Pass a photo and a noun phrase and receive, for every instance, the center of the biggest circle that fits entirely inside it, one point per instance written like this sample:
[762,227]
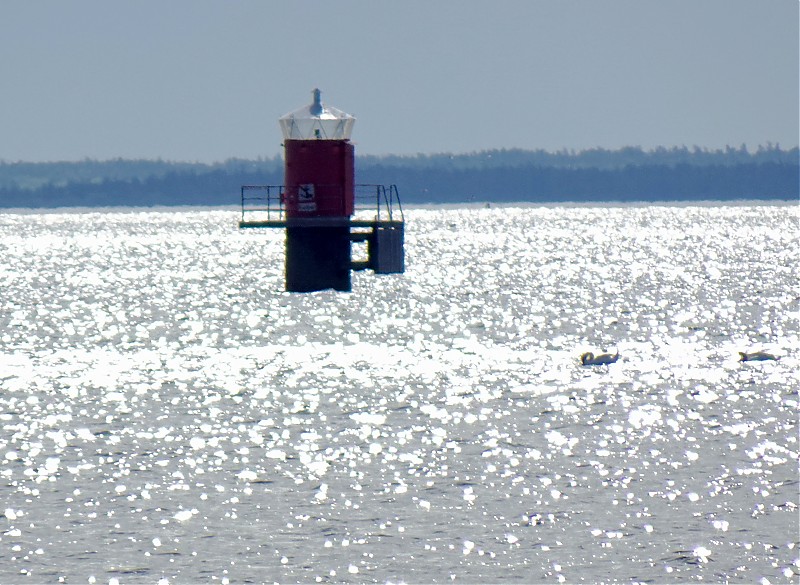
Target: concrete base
[318,250]
[318,258]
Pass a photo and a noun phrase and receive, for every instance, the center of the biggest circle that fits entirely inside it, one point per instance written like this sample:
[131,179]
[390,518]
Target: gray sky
[200,80]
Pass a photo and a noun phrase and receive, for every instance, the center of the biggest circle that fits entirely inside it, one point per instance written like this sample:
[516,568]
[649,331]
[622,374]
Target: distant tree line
[635,183]
[628,174]
[595,158]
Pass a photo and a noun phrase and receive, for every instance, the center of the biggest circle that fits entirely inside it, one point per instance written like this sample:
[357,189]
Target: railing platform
[377,217]
[319,222]
[264,206]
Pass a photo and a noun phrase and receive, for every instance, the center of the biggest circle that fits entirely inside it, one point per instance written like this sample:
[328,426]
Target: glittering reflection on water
[168,413]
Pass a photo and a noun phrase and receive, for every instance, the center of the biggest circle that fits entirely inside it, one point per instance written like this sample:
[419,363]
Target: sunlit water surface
[169,414]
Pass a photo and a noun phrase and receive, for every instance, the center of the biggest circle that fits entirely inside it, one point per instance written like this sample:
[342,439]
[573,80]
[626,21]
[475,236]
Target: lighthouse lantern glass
[317,121]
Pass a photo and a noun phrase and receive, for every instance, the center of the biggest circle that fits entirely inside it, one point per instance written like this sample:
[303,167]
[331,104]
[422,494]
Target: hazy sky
[196,80]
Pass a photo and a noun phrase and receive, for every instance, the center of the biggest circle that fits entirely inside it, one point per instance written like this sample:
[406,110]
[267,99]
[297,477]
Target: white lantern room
[317,121]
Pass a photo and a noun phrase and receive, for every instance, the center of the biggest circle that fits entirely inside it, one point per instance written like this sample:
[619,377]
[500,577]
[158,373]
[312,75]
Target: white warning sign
[305,198]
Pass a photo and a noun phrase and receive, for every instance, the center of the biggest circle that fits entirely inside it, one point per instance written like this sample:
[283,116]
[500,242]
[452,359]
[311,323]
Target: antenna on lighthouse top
[316,107]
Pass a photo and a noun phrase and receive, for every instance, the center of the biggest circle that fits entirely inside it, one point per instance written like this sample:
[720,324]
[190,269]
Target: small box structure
[321,207]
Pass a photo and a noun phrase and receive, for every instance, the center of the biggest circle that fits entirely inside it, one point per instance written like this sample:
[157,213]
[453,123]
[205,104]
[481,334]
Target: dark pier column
[318,258]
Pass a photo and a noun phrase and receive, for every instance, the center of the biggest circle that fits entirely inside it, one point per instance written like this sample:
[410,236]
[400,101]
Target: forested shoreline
[596,175]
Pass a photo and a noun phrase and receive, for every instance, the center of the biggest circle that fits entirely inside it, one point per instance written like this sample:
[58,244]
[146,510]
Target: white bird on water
[589,359]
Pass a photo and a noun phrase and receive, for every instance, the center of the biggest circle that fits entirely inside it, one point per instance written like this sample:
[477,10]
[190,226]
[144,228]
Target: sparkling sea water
[169,415]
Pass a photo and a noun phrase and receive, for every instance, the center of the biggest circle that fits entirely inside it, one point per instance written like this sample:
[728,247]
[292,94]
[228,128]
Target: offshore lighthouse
[321,207]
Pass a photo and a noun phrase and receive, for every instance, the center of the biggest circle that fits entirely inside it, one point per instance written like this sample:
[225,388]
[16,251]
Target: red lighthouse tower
[320,205]
[319,161]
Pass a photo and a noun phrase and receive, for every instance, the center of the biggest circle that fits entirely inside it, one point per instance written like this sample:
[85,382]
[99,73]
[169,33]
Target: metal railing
[382,200]
[371,203]
[263,202]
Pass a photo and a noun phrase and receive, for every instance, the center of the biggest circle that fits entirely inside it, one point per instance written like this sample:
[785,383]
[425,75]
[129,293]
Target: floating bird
[756,356]
[589,359]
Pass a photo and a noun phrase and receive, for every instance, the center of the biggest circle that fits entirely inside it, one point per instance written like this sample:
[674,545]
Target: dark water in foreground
[169,415]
